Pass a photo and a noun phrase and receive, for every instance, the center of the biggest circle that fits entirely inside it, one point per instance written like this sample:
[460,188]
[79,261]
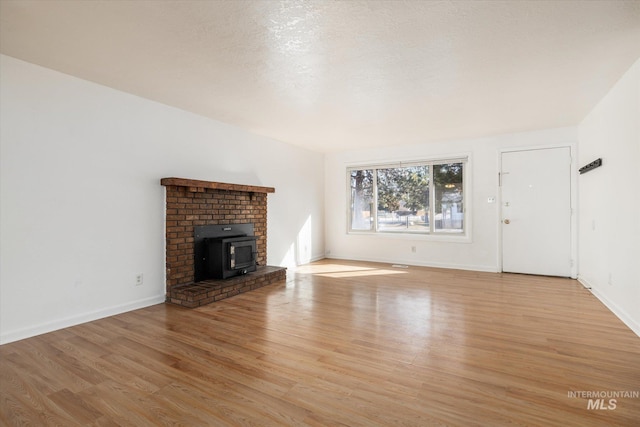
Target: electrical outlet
[139,279]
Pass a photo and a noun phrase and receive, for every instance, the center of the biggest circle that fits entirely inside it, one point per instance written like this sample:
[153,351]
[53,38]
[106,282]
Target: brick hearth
[191,203]
[205,292]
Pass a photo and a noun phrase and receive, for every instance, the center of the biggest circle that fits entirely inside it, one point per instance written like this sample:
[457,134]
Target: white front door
[536,211]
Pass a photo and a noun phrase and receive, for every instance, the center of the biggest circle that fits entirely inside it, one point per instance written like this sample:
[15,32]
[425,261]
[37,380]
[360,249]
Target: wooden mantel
[196,184]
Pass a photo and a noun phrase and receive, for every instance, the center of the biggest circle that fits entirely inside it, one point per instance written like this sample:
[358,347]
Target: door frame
[573,198]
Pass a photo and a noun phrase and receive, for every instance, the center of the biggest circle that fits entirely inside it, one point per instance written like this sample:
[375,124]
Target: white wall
[481,252]
[82,208]
[609,199]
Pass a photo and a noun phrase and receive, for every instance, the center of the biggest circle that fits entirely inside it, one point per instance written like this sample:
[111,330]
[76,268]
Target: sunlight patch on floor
[341,271]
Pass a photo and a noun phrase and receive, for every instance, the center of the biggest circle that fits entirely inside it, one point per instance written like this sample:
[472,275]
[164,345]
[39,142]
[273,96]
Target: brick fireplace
[191,203]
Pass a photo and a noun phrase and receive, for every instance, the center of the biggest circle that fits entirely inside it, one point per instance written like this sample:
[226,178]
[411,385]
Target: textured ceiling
[337,75]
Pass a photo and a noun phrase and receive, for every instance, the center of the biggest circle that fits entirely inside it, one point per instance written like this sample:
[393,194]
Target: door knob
[506,221]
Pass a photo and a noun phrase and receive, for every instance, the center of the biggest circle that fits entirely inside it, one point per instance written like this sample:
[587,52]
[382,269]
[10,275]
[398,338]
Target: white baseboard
[32,331]
[450,266]
[613,307]
[317,258]
[584,282]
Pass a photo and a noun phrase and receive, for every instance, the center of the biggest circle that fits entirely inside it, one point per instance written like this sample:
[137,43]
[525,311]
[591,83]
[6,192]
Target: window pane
[403,199]
[361,199]
[449,213]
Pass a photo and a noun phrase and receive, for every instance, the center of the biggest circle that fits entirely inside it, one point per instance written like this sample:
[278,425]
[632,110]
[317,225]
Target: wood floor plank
[73,405]
[22,403]
[120,404]
[100,363]
[341,343]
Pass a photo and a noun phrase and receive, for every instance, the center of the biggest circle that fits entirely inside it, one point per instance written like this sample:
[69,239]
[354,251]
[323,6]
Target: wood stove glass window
[241,254]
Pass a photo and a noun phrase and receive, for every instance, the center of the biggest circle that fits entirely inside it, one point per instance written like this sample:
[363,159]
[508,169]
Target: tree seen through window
[420,198]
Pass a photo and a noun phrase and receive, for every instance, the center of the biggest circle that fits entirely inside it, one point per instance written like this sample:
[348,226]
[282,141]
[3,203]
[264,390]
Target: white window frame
[432,234]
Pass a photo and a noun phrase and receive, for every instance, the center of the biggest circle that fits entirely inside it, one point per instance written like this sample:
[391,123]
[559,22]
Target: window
[421,197]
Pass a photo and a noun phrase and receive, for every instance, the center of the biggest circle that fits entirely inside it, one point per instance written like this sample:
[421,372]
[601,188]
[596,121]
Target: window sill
[433,237]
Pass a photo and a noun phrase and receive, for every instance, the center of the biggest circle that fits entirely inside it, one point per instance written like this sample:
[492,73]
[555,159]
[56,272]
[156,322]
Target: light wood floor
[341,343]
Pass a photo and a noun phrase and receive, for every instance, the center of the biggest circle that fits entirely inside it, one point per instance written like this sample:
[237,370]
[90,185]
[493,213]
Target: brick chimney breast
[191,203]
